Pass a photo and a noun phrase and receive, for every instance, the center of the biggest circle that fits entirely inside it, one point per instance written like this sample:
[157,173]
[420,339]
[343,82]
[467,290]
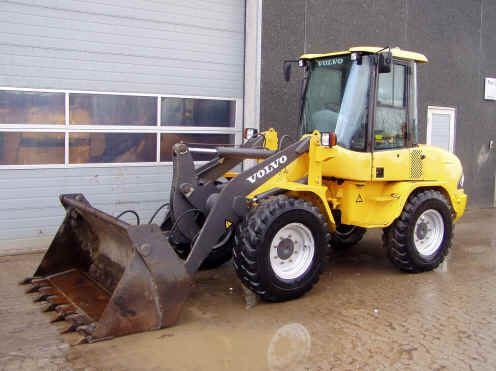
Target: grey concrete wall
[458,37]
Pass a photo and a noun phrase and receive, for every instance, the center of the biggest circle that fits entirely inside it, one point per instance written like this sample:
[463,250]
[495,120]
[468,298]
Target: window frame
[158,128]
[408,103]
[450,111]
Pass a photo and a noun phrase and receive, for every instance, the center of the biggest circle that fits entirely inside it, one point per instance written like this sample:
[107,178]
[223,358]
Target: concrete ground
[363,314]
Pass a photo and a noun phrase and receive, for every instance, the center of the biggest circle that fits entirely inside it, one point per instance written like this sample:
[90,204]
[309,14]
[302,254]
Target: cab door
[390,133]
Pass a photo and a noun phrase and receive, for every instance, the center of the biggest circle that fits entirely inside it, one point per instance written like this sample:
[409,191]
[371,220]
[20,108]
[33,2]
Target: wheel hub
[291,251]
[285,248]
[422,230]
[429,232]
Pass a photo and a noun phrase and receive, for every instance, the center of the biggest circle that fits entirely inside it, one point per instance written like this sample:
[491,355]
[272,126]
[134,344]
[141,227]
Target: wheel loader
[357,164]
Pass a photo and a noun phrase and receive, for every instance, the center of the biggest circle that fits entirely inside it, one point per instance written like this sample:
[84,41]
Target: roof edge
[397,53]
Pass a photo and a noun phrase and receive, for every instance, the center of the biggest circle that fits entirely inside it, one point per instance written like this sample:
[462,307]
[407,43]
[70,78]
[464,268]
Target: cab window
[390,129]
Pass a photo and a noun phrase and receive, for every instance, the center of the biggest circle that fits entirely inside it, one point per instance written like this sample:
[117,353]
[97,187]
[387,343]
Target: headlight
[461,181]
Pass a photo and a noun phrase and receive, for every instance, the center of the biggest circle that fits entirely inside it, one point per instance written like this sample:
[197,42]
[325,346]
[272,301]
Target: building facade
[458,38]
[93,94]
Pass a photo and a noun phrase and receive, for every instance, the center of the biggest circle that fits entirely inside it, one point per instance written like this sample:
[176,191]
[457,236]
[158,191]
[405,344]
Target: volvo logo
[267,169]
[330,62]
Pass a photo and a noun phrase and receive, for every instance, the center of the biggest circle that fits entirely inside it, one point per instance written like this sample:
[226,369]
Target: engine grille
[416,163]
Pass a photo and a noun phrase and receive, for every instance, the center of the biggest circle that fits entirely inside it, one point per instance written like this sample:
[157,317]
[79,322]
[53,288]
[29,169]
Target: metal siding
[167,47]
[31,209]
[190,48]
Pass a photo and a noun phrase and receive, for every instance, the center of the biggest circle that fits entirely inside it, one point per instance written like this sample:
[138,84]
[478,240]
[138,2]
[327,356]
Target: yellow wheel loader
[356,165]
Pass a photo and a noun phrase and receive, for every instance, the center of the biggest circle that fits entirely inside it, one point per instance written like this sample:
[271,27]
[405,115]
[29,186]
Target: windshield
[337,99]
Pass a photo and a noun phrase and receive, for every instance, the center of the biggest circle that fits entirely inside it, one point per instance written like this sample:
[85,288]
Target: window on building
[391,109]
[105,109]
[198,112]
[441,127]
[65,128]
[31,148]
[87,148]
[22,107]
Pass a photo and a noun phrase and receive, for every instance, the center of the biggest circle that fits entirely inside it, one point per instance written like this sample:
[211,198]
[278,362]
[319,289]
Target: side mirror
[286,69]
[385,62]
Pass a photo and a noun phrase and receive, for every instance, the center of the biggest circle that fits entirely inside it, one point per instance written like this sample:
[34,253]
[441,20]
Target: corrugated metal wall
[189,47]
[194,47]
[31,212]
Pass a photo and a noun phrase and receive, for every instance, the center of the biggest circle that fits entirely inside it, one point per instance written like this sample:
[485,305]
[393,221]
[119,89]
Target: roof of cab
[397,53]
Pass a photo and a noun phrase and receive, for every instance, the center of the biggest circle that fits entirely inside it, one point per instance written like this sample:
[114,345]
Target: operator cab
[367,96]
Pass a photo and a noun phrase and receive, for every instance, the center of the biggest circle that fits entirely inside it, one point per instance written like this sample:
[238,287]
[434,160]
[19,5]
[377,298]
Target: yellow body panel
[344,180]
[392,162]
[397,53]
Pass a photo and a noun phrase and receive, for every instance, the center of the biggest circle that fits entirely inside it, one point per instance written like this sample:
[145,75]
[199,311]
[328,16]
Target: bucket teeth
[58,317]
[42,297]
[65,309]
[45,293]
[26,280]
[62,311]
[35,288]
[86,329]
[70,328]
[76,321]
[52,302]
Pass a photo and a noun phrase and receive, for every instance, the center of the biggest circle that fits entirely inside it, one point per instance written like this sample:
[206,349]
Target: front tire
[280,248]
[217,257]
[420,238]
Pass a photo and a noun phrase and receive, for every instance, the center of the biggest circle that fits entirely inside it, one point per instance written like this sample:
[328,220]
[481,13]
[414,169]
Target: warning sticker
[359,199]
[227,223]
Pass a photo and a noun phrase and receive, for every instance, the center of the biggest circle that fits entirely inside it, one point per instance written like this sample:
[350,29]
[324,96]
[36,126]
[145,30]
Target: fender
[377,205]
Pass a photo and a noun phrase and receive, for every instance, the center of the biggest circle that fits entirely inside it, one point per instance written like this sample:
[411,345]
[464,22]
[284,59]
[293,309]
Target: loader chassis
[109,278]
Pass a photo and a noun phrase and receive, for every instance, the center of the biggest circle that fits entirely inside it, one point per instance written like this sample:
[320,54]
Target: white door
[441,127]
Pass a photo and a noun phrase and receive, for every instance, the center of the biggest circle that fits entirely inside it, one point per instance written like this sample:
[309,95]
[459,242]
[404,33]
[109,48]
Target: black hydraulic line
[176,222]
[157,211]
[130,212]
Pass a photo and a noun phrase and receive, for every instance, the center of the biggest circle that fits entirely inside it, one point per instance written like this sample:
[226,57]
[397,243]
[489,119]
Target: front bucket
[109,278]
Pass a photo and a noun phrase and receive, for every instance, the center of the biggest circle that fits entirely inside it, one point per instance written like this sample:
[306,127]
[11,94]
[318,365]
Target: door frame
[451,111]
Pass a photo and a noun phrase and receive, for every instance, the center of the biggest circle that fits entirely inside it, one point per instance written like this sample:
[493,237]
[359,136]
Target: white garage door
[93,94]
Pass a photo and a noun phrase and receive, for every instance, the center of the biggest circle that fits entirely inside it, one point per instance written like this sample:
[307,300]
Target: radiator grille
[415,163]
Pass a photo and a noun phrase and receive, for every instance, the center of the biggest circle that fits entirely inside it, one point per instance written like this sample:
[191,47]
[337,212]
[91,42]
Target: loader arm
[231,204]
[109,278]
[202,181]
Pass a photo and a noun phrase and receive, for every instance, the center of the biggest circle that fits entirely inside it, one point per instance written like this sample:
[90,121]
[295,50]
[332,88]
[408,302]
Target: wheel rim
[428,233]
[291,251]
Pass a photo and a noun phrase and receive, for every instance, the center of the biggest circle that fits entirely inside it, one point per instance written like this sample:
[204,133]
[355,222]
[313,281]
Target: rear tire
[346,236]
[420,238]
[280,248]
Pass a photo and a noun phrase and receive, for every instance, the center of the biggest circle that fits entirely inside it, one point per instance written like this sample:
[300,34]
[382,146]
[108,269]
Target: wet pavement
[363,314]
